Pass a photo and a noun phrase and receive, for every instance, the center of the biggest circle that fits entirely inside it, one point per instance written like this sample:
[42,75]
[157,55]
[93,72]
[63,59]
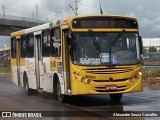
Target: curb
[4,73]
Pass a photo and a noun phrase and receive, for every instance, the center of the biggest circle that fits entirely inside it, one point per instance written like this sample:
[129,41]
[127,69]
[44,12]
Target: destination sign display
[104,22]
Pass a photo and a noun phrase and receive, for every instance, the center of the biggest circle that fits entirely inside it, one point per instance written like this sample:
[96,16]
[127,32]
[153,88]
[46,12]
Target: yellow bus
[79,55]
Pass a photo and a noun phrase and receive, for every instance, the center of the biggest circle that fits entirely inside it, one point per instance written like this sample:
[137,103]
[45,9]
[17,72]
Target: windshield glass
[106,48]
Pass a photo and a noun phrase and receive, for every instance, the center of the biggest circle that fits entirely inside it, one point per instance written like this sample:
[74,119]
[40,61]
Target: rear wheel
[115,98]
[26,85]
[61,97]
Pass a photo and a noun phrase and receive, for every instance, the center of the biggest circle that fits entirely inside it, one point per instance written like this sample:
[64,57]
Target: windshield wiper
[118,36]
[95,42]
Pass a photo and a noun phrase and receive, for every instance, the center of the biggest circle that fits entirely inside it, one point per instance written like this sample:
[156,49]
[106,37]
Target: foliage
[144,50]
[152,49]
[150,73]
[5,69]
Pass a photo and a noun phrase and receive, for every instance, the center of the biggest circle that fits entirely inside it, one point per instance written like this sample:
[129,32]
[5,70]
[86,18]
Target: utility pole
[37,13]
[76,7]
[72,8]
[75,10]
[3,10]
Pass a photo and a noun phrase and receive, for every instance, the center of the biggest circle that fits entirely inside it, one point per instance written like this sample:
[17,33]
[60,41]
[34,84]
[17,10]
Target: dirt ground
[153,83]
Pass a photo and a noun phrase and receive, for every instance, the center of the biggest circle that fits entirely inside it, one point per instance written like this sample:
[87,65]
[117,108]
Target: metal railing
[4,59]
[151,55]
[151,67]
[9,17]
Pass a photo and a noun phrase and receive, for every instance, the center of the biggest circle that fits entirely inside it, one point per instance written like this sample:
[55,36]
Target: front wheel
[61,97]
[115,98]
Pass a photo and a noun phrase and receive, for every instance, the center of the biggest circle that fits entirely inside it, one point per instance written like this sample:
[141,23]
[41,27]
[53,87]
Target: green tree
[144,50]
[152,49]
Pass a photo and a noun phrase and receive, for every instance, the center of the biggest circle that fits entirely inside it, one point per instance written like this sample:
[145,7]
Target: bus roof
[63,21]
[29,30]
[37,28]
[103,15]
[69,19]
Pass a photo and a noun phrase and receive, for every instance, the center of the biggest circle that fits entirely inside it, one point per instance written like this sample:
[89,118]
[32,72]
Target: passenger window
[30,45]
[24,46]
[13,47]
[55,42]
[46,43]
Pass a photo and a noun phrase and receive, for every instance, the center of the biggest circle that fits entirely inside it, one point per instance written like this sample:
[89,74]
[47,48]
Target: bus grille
[108,70]
[117,80]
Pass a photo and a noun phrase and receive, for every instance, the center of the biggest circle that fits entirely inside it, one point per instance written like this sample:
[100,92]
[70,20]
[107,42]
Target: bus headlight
[88,81]
[76,76]
[140,73]
[132,79]
[136,77]
[82,79]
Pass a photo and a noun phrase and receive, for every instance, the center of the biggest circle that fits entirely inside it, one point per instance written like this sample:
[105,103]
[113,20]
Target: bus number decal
[53,63]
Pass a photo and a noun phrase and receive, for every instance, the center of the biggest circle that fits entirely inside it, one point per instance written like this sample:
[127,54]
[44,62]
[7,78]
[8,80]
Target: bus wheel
[61,97]
[26,85]
[115,98]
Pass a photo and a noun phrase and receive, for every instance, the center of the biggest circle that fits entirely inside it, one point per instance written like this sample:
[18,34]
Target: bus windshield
[106,48]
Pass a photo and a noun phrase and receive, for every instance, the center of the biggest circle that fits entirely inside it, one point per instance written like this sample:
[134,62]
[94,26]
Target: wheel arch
[57,77]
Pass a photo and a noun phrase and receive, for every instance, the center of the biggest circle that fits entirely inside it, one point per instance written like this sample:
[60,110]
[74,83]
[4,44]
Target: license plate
[111,87]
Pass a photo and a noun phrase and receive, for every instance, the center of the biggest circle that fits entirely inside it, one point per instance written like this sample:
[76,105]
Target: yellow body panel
[13,63]
[22,61]
[18,33]
[100,81]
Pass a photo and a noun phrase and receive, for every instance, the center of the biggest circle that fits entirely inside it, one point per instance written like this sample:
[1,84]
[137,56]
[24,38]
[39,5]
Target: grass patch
[5,69]
[150,73]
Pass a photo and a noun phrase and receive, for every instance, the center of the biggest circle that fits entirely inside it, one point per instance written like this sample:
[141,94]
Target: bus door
[38,58]
[66,66]
[18,59]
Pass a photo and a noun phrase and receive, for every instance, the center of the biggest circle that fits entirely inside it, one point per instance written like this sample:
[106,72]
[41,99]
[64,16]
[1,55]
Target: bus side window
[23,46]
[13,47]
[55,42]
[46,43]
[30,45]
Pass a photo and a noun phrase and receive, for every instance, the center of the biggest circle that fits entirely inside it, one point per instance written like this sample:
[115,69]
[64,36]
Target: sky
[146,11]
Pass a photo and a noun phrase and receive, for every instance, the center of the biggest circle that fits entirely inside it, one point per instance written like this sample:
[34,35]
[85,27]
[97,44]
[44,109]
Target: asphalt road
[13,98]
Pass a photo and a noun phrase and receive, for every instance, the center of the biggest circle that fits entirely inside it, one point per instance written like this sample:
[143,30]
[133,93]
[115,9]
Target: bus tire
[26,85]
[115,98]
[61,97]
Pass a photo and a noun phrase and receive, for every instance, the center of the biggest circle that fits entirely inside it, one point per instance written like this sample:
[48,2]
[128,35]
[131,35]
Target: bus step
[40,90]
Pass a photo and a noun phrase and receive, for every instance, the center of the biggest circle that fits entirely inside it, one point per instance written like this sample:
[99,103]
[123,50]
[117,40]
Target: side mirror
[141,44]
